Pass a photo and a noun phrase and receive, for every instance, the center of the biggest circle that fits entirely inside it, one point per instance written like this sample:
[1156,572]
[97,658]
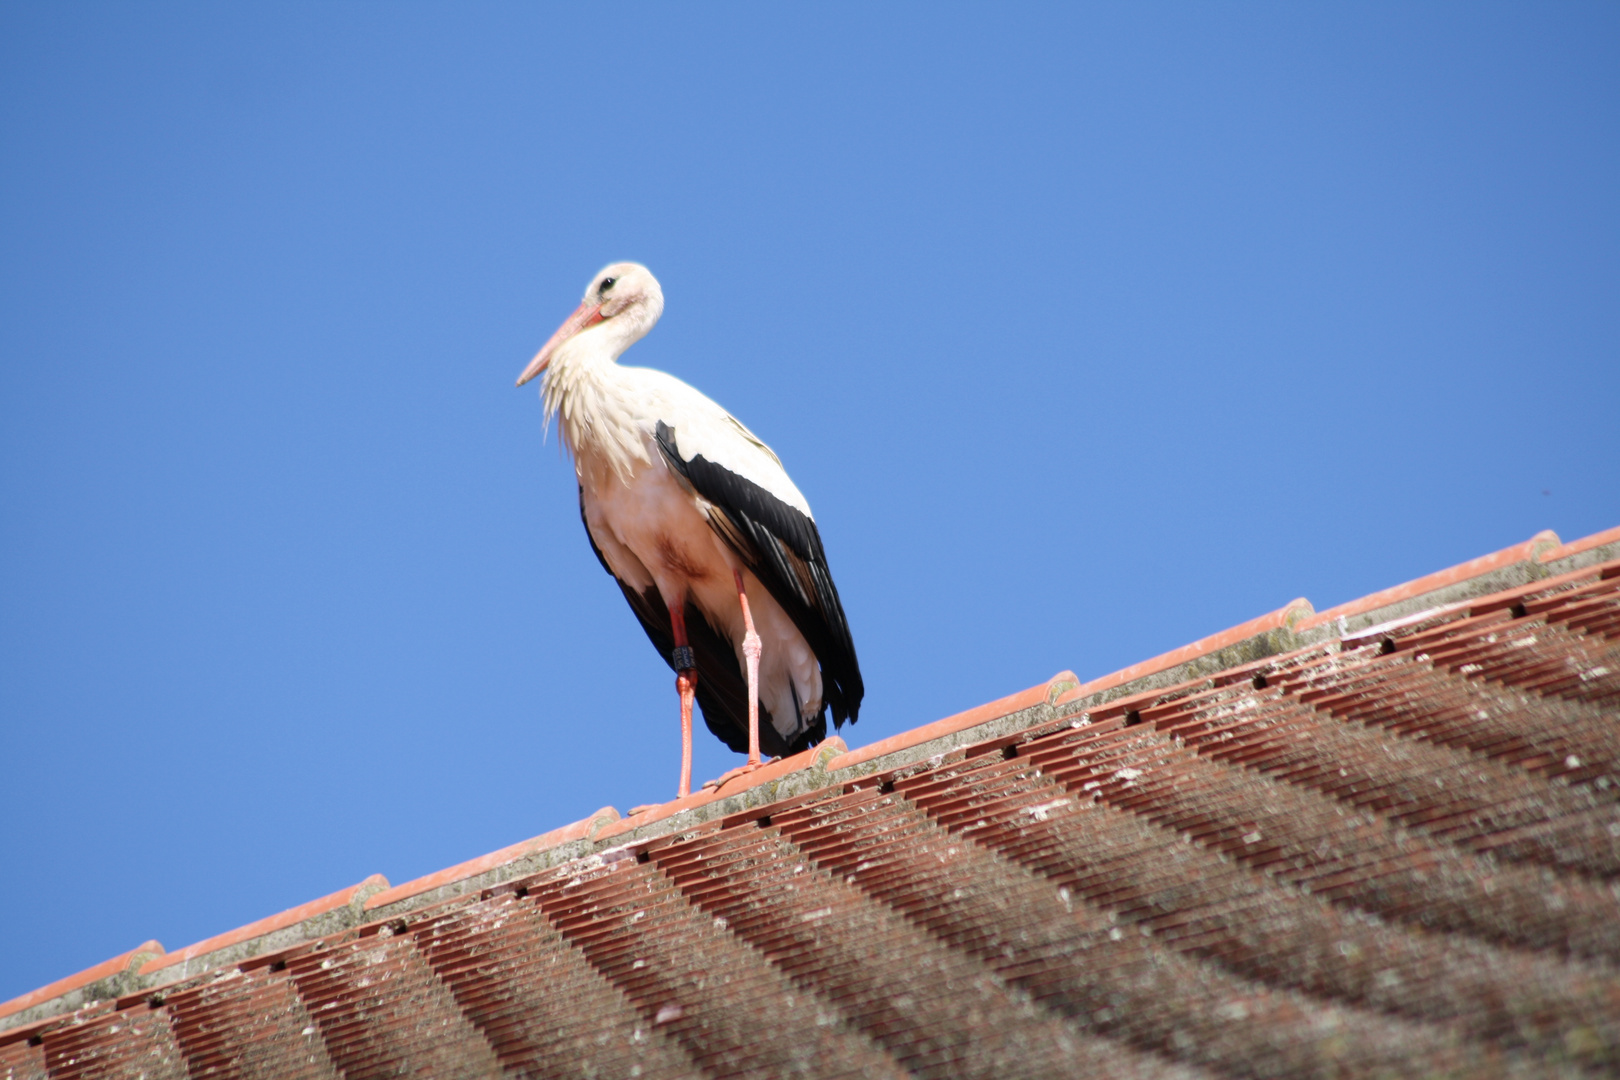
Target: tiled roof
[1382,839]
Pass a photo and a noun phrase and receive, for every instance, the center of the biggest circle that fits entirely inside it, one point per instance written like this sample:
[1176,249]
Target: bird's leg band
[682,659]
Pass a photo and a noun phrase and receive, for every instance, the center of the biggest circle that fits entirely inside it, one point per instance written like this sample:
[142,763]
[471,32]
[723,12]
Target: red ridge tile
[1295,614]
[269,925]
[1060,688]
[828,749]
[1585,543]
[129,961]
[579,830]
[1531,550]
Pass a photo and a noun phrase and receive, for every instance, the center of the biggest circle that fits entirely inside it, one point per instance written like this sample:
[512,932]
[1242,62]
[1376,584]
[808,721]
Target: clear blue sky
[1087,332]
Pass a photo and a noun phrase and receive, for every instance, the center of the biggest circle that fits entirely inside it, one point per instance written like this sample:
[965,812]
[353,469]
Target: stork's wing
[782,546]
[722,691]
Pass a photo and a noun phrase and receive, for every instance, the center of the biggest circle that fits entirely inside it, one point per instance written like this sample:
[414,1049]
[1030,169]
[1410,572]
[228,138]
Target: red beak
[587,314]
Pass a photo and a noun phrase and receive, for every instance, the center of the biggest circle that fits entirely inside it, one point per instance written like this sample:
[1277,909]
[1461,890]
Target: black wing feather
[722,689]
[783,549]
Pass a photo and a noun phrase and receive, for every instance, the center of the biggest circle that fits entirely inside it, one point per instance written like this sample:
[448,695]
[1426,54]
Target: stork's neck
[584,352]
[598,346]
[585,389]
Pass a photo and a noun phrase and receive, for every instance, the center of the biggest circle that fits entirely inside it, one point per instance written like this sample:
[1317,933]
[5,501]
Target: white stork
[712,544]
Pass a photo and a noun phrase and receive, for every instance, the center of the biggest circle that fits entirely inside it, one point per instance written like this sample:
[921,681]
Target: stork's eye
[607,283]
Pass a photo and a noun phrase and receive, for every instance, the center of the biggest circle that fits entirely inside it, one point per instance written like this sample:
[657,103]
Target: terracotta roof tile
[252,1023]
[539,1001]
[696,982]
[382,1012]
[1103,967]
[1088,808]
[938,1011]
[23,1059]
[1382,839]
[135,1042]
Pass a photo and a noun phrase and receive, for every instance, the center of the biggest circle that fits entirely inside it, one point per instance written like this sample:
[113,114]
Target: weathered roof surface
[1379,840]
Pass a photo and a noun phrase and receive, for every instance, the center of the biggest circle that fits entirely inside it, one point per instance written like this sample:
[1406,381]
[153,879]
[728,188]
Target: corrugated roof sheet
[1379,840]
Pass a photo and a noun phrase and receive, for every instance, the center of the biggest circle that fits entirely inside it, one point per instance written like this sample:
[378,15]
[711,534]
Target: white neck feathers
[587,389]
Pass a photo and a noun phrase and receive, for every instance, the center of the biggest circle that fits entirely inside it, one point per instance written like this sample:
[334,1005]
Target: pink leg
[686,686]
[751,650]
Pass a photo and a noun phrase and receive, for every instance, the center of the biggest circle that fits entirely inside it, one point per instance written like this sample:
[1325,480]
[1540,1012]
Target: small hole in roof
[521,891]
[279,965]
[1133,718]
[1386,646]
[886,788]
[764,822]
[155,1001]
[1260,681]
[1009,752]
[1518,611]
[35,1040]
[643,857]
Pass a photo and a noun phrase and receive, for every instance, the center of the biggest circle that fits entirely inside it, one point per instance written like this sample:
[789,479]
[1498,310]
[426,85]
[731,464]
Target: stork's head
[621,303]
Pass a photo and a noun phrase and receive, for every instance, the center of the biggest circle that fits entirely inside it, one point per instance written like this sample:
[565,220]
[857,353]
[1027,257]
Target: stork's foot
[741,770]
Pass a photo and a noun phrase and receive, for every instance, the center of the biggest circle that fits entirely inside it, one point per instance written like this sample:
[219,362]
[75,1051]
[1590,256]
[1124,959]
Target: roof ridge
[1526,553]
[1543,561]
[315,918]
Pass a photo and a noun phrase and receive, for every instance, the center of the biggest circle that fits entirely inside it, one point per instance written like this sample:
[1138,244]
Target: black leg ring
[682,658]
